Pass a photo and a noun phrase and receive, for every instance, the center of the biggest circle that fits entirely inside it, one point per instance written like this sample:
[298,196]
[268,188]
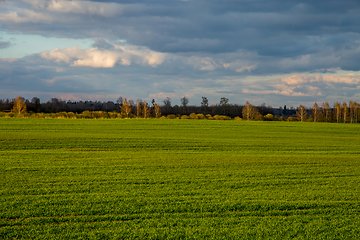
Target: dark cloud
[103,44]
[209,46]
[271,31]
[5,44]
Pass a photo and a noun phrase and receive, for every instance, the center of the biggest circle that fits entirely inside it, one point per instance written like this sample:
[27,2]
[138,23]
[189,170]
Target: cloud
[274,51]
[246,68]
[95,58]
[307,88]
[78,7]
[8,59]
[281,37]
[5,44]
[25,16]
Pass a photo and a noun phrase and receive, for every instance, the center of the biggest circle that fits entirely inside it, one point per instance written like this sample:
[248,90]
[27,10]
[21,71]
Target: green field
[178,179]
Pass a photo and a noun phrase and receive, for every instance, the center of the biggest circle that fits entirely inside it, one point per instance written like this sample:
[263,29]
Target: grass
[178,179]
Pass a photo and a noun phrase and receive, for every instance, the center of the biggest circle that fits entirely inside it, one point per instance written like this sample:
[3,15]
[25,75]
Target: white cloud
[95,58]
[302,79]
[349,79]
[141,55]
[246,68]
[319,87]
[202,63]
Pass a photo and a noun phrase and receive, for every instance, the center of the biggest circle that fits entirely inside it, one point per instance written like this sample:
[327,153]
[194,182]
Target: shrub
[200,116]
[208,116]
[171,116]
[40,115]
[238,119]
[85,114]
[217,117]
[292,119]
[269,117]
[10,115]
[184,117]
[193,116]
[258,117]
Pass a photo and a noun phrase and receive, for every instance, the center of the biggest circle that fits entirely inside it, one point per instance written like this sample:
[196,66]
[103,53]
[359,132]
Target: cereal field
[178,179]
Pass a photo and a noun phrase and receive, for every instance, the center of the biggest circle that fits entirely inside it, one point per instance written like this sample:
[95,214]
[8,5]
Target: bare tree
[301,113]
[249,111]
[345,111]
[167,102]
[356,107]
[120,101]
[126,107]
[352,110]
[316,112]
[184,102]
[224,103]
[326,111]
[337,108]
[204,103]
[19,105]
[138,108]
[146,109]
[157,110]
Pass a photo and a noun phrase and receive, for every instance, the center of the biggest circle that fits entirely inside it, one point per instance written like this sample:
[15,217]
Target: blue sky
[274,52]
[22,45]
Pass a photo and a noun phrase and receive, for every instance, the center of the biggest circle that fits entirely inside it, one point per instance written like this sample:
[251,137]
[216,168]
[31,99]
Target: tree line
[166,107]
[340,112]
[124,108]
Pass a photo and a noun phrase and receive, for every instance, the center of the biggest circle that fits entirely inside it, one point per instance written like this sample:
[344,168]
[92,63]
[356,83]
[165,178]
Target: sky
[280,52]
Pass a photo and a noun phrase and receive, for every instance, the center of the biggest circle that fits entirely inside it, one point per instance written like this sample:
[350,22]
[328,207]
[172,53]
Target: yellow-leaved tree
[126,107]
[19,106]
[146,110]
[157,110]
[249,111]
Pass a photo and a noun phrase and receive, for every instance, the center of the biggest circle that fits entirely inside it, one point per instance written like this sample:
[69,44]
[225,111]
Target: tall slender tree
[184,102]
[138,108]
[338,110]
[353,108]
[326,110]
[356,109]
[224,103]
[345,111]
[146,109]
[301,113]
[204,104]
[126,107]
[157,110]
[316,112]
